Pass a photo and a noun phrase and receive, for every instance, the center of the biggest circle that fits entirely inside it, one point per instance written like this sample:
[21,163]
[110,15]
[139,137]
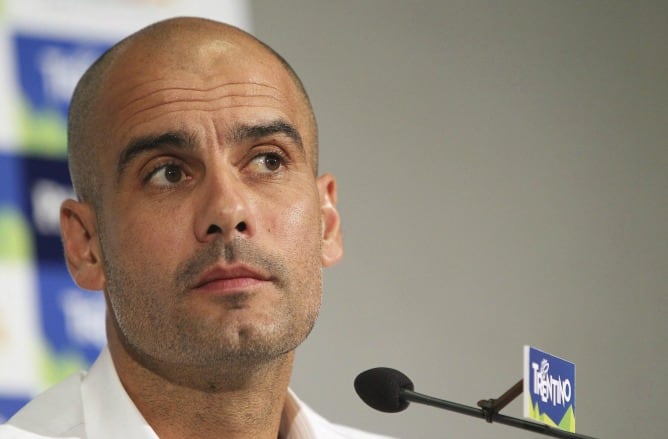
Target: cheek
[143,236]
[295,223]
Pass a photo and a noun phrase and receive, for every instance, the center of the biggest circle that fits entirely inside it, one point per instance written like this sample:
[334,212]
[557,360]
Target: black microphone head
[380,388]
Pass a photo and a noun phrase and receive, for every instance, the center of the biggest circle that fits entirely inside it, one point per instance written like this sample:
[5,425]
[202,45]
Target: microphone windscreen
[380,388]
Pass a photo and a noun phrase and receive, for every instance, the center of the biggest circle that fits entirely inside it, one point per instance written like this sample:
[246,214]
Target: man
[193,152]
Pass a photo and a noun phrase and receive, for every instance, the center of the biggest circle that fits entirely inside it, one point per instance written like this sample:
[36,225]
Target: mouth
[231,278]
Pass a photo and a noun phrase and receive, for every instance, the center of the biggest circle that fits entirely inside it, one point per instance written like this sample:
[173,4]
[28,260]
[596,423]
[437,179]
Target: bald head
[183,44]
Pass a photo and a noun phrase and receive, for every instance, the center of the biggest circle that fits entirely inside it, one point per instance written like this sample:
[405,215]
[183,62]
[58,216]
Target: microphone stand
[489,411]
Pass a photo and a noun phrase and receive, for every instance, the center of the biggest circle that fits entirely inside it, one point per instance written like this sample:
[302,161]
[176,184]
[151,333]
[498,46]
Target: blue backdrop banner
[49,327]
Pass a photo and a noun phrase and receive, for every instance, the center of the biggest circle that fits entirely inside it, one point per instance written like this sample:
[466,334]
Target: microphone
[381,388]
[390,391]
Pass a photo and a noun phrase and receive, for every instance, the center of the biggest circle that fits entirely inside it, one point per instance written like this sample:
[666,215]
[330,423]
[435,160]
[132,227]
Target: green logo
[16,243]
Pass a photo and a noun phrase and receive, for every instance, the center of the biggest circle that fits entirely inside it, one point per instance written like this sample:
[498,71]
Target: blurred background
[503,180]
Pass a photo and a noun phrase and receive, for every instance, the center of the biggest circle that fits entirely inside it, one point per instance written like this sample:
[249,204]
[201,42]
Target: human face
[211,222]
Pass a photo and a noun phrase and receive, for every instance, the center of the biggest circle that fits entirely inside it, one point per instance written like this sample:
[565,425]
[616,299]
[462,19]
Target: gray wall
[503,180]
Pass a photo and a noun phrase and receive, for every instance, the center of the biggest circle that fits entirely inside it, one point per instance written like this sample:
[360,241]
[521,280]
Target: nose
[223,210]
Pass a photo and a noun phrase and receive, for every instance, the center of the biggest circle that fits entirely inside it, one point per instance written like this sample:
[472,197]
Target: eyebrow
[148,143]
[242,132]
[185,141]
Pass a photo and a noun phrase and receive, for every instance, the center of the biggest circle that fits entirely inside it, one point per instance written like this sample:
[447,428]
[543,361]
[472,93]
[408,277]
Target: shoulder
[353,433]
[326,429]
[11,432]
[57,412]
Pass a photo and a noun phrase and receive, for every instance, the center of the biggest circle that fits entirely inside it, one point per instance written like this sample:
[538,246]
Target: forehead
[221,80]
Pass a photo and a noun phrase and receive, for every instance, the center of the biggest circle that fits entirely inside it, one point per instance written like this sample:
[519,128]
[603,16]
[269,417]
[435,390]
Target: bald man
[200,214]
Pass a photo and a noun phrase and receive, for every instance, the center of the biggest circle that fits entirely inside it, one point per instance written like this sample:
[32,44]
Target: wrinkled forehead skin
[201,61]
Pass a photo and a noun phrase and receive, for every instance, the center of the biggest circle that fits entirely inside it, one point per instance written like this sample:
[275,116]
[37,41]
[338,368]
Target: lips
[230,278]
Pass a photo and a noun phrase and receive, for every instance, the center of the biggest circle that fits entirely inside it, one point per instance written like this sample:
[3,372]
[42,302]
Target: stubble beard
[157,327]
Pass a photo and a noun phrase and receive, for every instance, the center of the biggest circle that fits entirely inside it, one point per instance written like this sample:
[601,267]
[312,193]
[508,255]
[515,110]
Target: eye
[267,162]
[168,174]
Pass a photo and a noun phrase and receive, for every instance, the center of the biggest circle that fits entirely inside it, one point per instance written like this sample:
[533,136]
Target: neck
[233,401]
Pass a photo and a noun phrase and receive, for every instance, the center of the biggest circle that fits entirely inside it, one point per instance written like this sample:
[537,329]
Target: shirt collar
[295,423]
[109,412]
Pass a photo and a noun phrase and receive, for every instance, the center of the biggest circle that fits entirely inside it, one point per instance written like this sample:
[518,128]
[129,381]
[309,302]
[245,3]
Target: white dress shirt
[94,405]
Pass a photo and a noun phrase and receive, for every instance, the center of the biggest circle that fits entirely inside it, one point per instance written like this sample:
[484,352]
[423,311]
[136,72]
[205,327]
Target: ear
[332,238]
[81,244]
